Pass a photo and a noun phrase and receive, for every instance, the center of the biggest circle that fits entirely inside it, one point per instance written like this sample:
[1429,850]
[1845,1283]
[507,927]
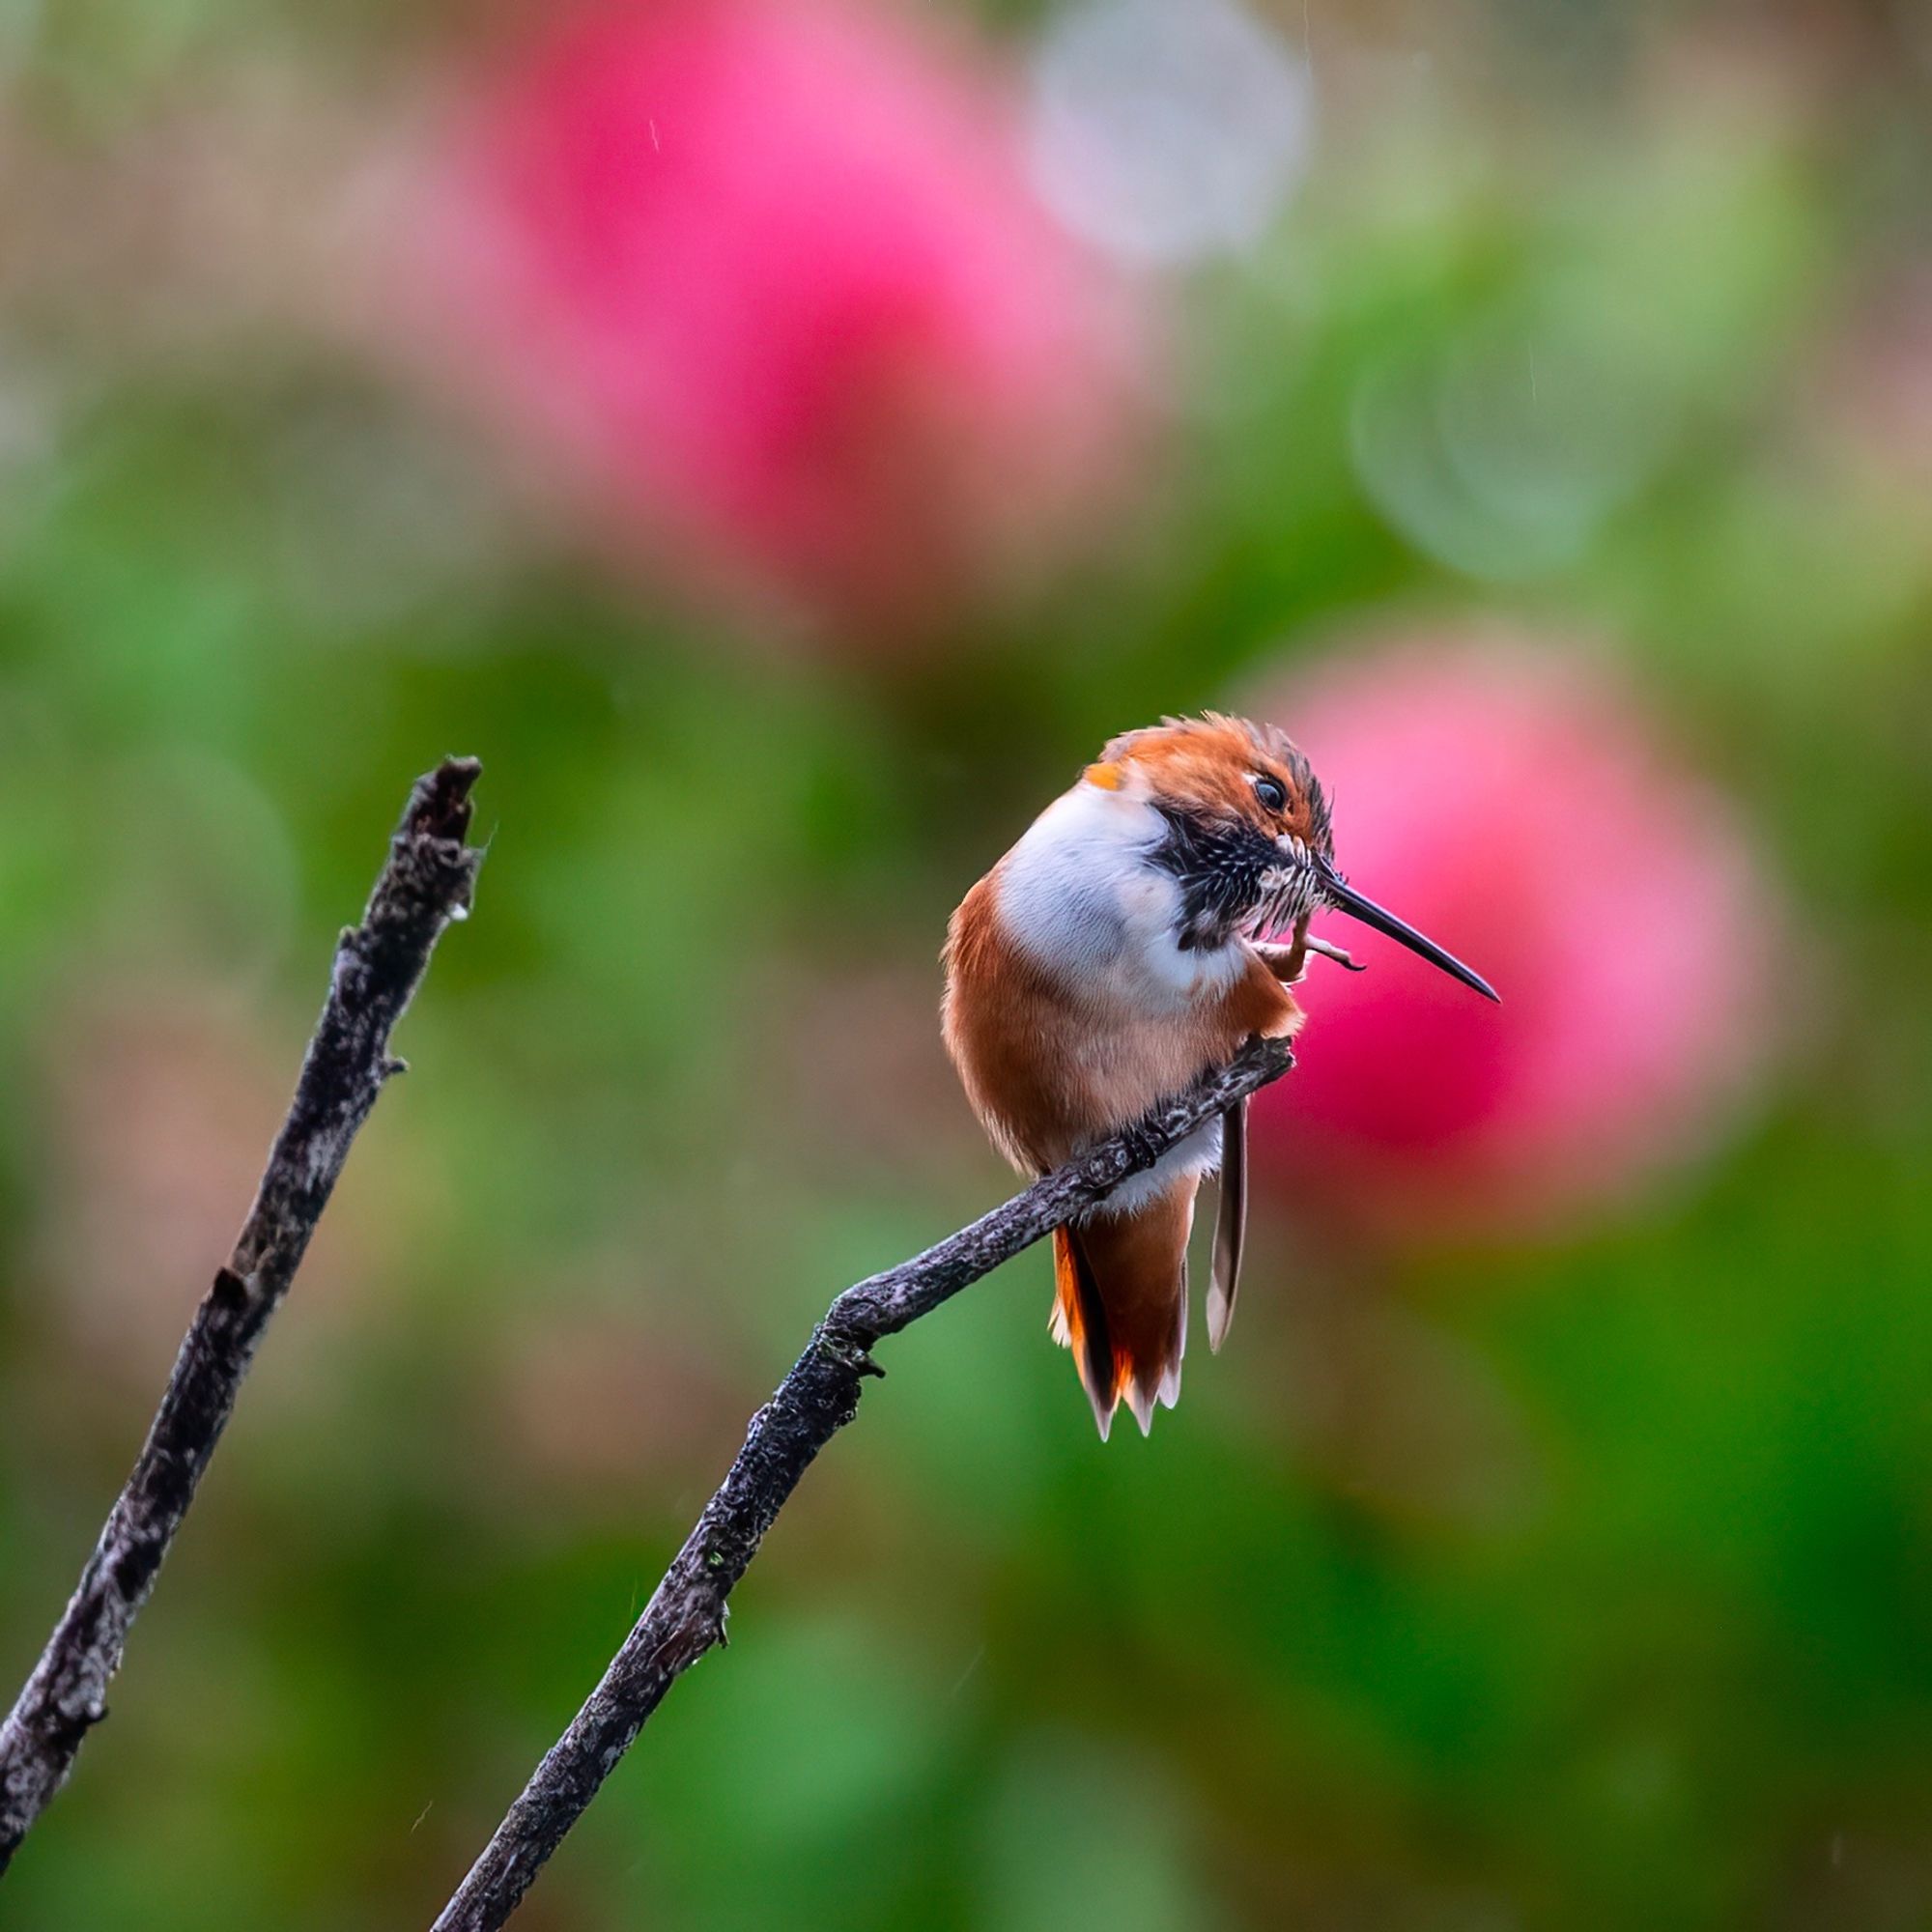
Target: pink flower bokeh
[1513,801]
[765,279]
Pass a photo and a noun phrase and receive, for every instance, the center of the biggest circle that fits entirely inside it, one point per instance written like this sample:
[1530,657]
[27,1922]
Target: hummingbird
[1131,940]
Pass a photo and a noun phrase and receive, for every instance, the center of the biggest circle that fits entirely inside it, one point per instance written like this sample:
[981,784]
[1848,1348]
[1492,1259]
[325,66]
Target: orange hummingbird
[1117,952]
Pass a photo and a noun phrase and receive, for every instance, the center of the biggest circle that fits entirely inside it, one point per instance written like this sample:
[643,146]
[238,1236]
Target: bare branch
[426,882]
[686,1613]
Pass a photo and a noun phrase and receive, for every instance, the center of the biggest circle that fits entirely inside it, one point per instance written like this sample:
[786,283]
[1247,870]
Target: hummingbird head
[1248,835]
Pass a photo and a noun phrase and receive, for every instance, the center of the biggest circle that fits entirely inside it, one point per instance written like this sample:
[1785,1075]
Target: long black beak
[1344,897]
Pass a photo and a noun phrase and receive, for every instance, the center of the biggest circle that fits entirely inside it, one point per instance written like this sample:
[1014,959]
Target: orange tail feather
[1122,1303]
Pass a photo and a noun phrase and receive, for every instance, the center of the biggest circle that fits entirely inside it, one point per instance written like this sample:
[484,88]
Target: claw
[1330,950]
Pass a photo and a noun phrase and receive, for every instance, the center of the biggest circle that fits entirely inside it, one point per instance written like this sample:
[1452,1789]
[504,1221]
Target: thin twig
[426,882]
[686,1613]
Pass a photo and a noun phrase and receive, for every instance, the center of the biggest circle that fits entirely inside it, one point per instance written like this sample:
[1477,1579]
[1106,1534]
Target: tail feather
[1170,1381]
[1140,1381]
[1122,1303]
[1080,1323]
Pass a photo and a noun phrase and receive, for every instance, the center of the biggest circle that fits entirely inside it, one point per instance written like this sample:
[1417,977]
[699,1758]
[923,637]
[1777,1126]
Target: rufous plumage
[1131,940]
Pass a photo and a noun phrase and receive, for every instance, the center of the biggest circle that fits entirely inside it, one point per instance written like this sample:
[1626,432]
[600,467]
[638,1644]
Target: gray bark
[426,882]
[685,1614]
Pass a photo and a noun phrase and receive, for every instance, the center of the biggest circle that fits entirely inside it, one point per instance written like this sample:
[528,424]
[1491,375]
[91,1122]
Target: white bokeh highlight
[1168,131]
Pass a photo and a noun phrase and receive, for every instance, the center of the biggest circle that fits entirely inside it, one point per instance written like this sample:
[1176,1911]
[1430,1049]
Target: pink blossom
[1512,801]
[767,279]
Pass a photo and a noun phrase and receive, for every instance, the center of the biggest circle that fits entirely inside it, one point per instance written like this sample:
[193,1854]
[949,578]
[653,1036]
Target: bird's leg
[1290,963]
[1287,963]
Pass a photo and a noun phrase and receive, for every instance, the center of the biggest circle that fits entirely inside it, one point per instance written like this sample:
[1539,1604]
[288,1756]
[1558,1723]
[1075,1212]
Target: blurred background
[783,441]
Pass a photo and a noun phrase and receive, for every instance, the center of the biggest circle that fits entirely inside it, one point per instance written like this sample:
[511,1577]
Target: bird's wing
[1231,1222]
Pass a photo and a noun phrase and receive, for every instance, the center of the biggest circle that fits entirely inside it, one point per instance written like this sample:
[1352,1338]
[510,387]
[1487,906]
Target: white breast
[1081,895]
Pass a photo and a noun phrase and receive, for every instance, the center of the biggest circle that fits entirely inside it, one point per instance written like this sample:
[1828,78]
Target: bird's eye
[1271,793]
